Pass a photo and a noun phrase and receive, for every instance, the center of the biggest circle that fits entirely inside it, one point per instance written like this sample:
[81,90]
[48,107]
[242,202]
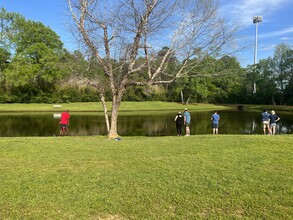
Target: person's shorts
[62,126]
[265,123]
[273,125]
[214,125]
[187,124]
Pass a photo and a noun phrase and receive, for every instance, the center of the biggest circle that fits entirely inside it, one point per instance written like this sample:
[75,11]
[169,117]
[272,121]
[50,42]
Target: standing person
[179,122]
[64,122]
[273,121]
[265,117]
[187,119]
[215,122]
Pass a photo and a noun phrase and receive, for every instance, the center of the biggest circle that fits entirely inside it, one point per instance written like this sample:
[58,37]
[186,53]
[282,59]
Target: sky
[275,28]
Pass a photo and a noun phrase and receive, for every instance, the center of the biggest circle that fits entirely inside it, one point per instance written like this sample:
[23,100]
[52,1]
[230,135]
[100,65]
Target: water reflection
[152,124]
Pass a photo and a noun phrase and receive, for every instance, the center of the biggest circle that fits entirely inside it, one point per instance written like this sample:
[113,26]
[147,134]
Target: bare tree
[124,37]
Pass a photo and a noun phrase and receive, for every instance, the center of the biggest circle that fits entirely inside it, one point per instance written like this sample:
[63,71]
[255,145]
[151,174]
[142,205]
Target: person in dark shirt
[265,121]
[273,121]
[179,119]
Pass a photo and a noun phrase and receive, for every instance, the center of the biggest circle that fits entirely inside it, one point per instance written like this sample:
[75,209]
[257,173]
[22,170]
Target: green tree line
[35,67]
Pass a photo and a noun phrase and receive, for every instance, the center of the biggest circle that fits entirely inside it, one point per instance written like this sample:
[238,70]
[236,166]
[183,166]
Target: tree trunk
[103,101]
[116,101]
[182,99]
[113,133]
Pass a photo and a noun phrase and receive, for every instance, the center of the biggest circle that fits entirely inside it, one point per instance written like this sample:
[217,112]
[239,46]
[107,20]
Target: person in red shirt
[64,122]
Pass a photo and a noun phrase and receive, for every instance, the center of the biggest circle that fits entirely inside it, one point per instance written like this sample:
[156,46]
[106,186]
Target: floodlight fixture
[257,19]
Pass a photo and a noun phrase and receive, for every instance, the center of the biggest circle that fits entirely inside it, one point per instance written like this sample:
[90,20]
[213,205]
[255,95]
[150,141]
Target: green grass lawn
[197,177]
[96,106]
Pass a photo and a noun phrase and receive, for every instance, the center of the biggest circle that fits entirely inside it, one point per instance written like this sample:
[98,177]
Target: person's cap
[273,112]
[185,109]
[179,113]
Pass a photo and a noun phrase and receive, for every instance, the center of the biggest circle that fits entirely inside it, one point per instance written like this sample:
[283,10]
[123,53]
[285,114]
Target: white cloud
[286,38]
[268,47]
[244,10]
[277,33]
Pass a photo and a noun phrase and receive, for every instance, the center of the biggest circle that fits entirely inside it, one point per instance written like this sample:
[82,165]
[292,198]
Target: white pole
[255,55]
[256,20]
[255,48]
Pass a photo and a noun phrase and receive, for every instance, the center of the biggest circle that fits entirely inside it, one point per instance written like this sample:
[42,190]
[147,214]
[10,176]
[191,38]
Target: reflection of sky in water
[161,124]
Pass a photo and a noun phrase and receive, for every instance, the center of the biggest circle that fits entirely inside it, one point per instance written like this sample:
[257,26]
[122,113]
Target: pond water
[148,124]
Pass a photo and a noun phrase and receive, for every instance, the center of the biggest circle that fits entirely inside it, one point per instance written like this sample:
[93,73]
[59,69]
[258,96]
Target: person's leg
[65,130]
[61,130]
[187,130]
[177,129]
[264,128]
[273,130]
[215,128]
[269,129]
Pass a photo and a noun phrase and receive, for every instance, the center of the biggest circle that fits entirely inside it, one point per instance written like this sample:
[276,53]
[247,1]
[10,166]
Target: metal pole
[256,20]
[255,48]
[255,55]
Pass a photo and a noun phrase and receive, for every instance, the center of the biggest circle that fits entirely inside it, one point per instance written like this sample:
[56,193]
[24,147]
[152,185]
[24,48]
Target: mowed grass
[96,106]
[196,177]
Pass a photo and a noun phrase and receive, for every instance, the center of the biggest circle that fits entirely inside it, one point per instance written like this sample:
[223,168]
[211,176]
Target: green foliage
[23,38]
[272,77]
[211,80]
[6,30]
[4,59]
[69,93]
[35,66]
[147,93]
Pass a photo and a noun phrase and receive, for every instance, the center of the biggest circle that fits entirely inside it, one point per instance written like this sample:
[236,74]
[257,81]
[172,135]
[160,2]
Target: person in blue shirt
[215,122]
[265,117]
[187,119]
[273,121]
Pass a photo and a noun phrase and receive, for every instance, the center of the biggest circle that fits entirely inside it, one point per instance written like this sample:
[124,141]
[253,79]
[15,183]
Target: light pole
[256,20]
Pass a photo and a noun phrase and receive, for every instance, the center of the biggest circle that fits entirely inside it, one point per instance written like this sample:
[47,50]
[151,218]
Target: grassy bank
[197,177]
[95,106]
[260,108]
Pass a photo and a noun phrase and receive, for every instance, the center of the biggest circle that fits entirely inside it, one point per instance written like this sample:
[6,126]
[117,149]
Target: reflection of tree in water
[154,127]
[146,125]
[131,125]
[26,125]
[87,125]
